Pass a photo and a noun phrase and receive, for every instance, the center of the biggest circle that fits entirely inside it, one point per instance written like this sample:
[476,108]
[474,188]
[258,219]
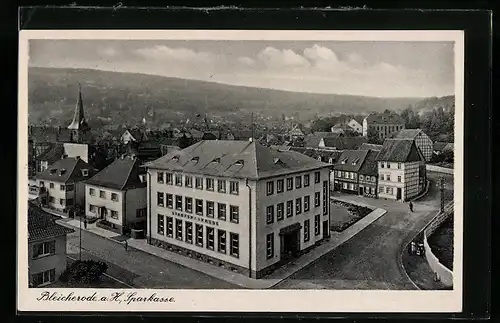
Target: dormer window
[239,162]
[344,161]
[354,162]
[195,159]
[276,160]
[216,160]
[85,172]
[175,158]
[62,172]
[53,171]
[330,160]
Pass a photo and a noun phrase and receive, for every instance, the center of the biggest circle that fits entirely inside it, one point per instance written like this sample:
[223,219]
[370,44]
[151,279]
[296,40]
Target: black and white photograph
[172,170]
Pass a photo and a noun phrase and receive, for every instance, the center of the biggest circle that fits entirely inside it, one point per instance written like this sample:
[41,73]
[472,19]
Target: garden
[344,214]
[85,274]
[441,243]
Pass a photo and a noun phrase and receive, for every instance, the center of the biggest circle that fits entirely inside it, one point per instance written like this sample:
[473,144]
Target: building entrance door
[326,229]
[290,241]
[102,213]
[361,190]
[398,193]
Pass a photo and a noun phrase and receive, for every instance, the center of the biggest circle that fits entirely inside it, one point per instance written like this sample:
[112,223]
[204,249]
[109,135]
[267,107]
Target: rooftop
[351,160]
[398,150]
[408,134]
[366,146]
[384,118]
[122,174]
[370,166]
[42,225]
[69,169]
[235,159]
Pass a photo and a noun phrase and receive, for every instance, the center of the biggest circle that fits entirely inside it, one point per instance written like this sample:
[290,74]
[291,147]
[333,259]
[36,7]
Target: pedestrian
[411,207]
[412,247]
[125,245]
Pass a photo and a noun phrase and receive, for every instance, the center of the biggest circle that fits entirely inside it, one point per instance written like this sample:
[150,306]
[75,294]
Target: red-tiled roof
[42,225]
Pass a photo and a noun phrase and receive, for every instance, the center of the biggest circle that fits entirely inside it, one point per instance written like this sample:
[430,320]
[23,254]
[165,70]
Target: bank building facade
[238,205]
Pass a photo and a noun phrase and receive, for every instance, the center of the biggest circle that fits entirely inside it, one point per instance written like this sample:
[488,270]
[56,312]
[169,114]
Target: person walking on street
[411,207]
[125,245]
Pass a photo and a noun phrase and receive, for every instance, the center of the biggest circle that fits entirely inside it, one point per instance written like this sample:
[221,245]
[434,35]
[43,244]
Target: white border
[248,300]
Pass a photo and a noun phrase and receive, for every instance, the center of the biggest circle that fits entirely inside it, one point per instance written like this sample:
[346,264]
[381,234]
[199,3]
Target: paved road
[137,268]
[370,259]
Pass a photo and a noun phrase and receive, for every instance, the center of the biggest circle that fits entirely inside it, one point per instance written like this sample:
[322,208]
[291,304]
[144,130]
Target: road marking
[107,275]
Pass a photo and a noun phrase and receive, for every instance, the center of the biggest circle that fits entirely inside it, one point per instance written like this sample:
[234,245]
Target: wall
[57,193]
[56,261]
[107,203]
[437,169]
[135,199]
[411,180]
[74,150]
[394,172]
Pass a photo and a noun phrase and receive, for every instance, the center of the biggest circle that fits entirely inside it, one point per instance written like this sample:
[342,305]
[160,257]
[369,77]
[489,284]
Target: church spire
[79,122]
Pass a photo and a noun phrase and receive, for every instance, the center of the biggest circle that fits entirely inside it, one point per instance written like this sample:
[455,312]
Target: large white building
[401,170]
[238,204]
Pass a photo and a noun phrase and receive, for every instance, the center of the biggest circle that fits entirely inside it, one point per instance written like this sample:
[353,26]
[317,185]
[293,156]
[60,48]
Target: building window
[325,197]
[189,232]
[114,214]
[170,227]
[316,199]
[92,208]
[168,178]
[178,229]
[399,165]
[210,209]
[280,212]
[199,207]
[234,244]
[306,180]
[298,182]
[306,230]
[43,278]
[61,201]
[269,245]
[178,179]
[382,165]
[114,197]
[269,214]
[91,191]
[178,203]
[209,182]
[289,209]
[298,206]
[317,177]
[372,190]
[347,174]
[399,179]
[221,211]
[188,207]
[62,187]
[381,189]
[388,178]
[307,201]
[373,179]
[188,181]
[199,183]
[51,185]
[388,165]
[170,200]
[289,184]
[221,186]
[140,213]
[159,177]
[44,249]
[161,224]
[387,190]
[199,235]
[382,177]
[361,177]
[102,194]
[221,234]
[210,238]
[270,188]
[317,229]
[280,185]
[159,199]
[234,213]
[234,187]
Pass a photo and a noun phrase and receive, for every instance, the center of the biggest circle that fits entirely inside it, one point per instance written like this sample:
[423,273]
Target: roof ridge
[73,169]
[128,176]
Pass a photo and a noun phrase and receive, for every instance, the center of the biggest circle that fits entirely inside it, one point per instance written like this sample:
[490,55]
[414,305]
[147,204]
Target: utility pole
[441,188]
[80,254]
[252,127]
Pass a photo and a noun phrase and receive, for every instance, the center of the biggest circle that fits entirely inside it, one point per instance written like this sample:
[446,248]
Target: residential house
[347,171]
[316,139]
[401,170]
[342,143]
[133,135]
[367,146]
[383,124]
[423,142]
[145,151]
[355,126]
[440,147]
[117,196]
[238,205]
[46,247]
[62,184]
[49,156]
[368,175]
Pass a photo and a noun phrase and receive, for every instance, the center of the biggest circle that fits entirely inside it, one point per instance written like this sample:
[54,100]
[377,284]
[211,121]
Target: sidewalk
[269,281]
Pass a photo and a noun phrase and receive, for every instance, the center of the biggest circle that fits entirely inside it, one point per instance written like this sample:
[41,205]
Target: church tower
[79,128]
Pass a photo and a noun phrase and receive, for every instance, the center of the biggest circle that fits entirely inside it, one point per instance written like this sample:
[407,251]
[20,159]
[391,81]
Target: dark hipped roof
[351,160]
[42,225]
[236,159]
[384,118]
[52,154]
[66,170]
[398,150]
[441,146]
[366,146]
[342,143]
[122,174]
[370,166]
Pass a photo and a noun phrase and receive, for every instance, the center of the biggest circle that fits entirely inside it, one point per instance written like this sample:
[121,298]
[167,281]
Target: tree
[373,137]
[83,273]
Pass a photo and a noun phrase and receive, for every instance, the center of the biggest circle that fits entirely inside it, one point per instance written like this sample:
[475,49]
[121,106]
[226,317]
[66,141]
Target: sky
[380,69]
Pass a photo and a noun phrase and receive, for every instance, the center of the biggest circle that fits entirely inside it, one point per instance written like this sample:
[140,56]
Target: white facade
[355,126]
[398,181]
[247,245]
[61,196]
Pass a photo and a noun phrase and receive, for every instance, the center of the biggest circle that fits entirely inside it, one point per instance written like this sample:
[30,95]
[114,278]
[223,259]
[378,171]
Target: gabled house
[347,171]
[46,247]
[355,126]
[48,157]
[383,124]
[62,184]
[439,147]
[117,196]
[368,175]
[401,170]
[423,142]
[133,135]
[342,143]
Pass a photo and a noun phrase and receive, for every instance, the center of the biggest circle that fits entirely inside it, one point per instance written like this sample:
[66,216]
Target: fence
[442,273]
[438,169]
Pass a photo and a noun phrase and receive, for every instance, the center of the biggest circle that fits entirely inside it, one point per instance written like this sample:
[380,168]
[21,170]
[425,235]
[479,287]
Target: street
[370,260]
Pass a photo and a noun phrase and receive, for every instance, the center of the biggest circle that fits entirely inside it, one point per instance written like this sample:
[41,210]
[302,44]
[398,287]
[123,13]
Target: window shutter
[53,247]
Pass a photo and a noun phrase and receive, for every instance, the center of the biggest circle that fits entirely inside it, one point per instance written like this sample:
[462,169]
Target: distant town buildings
[46,247]
[237,204]
[382,124]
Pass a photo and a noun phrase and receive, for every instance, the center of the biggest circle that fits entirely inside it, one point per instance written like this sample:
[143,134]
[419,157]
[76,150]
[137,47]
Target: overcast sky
[383,69]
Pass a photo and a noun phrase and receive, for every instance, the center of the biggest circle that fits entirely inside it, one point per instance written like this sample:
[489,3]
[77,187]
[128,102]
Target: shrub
[83,272]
